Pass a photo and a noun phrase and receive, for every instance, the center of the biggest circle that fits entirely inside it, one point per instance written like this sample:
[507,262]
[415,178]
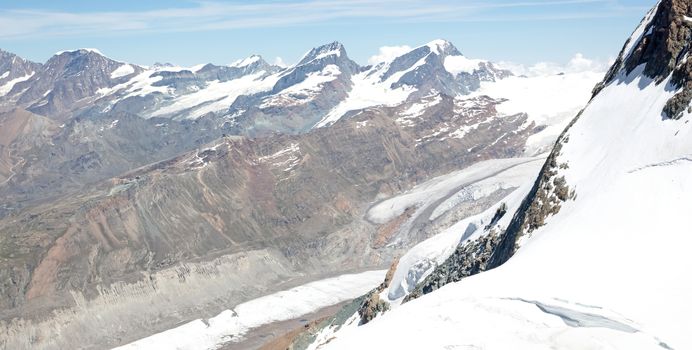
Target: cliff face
[661,44]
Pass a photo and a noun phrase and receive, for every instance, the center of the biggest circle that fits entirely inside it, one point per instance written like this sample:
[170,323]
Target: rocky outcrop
[372,305]
[665,41]
[663,49]
[468,259]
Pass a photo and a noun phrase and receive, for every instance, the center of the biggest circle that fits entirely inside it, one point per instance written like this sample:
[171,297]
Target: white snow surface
[459,64]
[368,90]
[7,87]
[215,96]
[436,46]
[230,325]
[122,71]
[551,100]
[304,91]
[5,75]
[428,192]
[218,95]
[609,271]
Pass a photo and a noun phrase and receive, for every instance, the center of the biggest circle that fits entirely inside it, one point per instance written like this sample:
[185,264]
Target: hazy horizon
[193,32]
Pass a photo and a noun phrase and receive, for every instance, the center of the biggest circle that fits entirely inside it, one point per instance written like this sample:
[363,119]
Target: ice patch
[122,71]
[10,84]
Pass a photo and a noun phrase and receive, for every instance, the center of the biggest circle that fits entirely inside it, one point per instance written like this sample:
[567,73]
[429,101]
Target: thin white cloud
[577,64]
[388,53]
[278,61]
[210,16]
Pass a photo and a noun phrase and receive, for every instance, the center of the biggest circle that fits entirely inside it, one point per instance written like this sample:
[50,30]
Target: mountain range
[138,198]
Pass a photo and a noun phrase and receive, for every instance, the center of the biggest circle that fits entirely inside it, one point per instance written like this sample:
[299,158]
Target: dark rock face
[668,36]
[467,260]
[372,306]
[65,82]
[664,50]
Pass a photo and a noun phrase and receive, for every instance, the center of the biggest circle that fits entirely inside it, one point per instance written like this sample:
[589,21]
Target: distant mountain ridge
[84,82]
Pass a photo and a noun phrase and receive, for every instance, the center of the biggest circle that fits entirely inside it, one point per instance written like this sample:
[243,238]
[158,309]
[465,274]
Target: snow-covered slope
[230,325]
[549,100]
[603,236]
[436,67]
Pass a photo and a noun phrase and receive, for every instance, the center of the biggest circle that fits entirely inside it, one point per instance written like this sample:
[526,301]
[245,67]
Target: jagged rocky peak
[332,50]
[77,62]
[440,66]
[660,45]
[13,67]
[68,79]
[330,59]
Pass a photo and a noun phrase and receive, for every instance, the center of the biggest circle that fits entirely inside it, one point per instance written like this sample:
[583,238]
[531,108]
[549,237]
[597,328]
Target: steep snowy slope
[596,255]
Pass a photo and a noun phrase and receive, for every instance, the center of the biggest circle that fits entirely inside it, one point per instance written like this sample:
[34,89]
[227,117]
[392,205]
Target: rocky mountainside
[67,82]
[14,70]
[142,115]
[137,198]
[205,212]
[592,254]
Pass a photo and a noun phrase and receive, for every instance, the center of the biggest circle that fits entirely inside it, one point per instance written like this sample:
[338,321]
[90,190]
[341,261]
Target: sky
[524,32]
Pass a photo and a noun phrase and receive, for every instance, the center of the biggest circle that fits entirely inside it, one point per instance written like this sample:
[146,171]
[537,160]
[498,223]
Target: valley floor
[236,325]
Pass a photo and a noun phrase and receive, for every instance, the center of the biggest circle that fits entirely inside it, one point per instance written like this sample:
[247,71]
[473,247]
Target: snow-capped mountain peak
[246,61]
[332,49]
[443,48]
[79,51]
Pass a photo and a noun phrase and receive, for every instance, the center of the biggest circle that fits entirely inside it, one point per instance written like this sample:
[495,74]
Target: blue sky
[192,32]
